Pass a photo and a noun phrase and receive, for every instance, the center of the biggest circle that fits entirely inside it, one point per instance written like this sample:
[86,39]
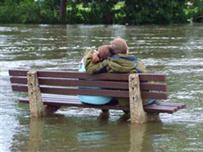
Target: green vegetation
[100,11]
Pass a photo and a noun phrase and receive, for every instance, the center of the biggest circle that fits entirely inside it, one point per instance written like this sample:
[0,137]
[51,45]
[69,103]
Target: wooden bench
[57,88]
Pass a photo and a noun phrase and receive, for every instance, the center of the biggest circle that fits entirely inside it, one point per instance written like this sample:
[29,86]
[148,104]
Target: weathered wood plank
[152,77]
[17,72]
[76,91]
[178,105]
[162,108]
[153,86]
[64,91]
[76,103]
[154,95]
[101,76]
[68,74]
[74,82]
[102,84]
[19,88]
[103,92]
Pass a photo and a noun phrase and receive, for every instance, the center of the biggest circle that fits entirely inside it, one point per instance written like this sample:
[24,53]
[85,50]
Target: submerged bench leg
[153,117]
[34,94]
[36,134]
[104,114]
[137,114]
[137,137]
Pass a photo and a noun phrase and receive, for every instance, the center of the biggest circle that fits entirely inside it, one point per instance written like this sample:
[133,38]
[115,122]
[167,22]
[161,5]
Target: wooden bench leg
[137,114]
[153,117]
[126,112]
[35,99]
[104,114]
[49,109]
[105,111]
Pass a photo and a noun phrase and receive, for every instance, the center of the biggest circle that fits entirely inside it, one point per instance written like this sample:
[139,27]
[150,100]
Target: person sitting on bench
[113,58]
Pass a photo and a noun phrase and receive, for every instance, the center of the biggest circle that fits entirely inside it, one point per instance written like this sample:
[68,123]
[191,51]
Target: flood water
[175,50]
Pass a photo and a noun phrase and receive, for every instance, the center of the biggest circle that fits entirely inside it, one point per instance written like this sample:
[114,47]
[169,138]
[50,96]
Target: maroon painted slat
[102,92]
[179,105]
[102,84]
[71,91]
[102,76]
[18,80]
[77,103]
[17,72]
[154,95]
[76,82]
[153,86]
[68,74]
[19,88]
[64,91]
[152,77]
[161,108]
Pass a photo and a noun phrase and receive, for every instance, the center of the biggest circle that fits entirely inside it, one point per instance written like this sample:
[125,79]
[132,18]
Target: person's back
[113,58]
[95,100]
[95,59]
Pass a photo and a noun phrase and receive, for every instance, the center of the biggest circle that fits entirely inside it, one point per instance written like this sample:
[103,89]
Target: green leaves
[101,11]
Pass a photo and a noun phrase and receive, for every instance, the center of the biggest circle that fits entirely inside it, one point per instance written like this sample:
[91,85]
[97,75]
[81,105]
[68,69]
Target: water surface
[175,50]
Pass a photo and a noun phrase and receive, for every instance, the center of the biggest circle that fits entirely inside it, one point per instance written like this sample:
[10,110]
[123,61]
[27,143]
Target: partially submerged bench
[41,85]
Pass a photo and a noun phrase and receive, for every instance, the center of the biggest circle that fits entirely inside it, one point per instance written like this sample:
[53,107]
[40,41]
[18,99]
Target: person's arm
[125,64]
[121,66]
[93,68]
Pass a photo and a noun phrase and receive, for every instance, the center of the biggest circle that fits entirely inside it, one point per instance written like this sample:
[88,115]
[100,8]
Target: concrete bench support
[137,114]
[34,94]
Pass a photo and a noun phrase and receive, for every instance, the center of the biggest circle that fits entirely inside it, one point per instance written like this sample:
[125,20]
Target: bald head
[119,45]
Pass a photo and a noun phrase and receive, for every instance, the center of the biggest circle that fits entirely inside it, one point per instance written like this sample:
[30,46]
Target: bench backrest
[152,86]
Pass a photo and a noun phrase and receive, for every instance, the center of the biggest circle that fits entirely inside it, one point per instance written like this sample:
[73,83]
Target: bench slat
[154,95]
[101,76]
[71,91]
[76,103]
[76,82]
[152,77]
[103,92]
[179,105]
[153,86]
[56,97]
[112,93]
[17,72]
[66,74]
[162,108]
[101,84]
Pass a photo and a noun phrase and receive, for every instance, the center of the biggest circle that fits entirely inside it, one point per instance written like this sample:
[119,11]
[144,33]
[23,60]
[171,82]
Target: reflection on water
[176,50]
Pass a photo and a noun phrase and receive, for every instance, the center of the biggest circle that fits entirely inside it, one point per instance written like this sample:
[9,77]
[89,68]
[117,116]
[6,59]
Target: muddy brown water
[175,50]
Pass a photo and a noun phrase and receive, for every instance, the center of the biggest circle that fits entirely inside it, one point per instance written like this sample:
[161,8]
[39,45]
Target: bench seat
[162,107]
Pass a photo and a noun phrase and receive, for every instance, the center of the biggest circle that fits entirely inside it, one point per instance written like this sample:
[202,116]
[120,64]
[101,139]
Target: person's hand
[95,57]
